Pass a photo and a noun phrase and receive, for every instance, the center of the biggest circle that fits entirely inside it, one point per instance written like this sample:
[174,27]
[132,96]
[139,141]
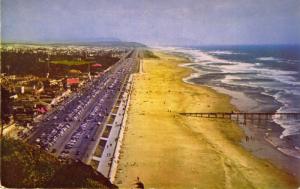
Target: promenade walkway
[107,162]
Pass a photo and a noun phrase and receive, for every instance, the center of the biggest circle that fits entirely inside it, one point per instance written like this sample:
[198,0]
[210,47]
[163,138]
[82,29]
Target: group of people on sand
[247,138]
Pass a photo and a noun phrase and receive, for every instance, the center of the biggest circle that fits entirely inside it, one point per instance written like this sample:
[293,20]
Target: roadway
[74,128]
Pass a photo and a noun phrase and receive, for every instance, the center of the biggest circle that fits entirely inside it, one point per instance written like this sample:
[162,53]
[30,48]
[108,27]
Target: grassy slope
[25,166]
[170,151]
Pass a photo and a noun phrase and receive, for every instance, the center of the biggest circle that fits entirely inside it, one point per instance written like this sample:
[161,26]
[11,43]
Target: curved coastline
[275,154]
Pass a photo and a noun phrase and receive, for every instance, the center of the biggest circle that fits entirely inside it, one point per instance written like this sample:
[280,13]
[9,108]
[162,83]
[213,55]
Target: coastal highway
[74,128]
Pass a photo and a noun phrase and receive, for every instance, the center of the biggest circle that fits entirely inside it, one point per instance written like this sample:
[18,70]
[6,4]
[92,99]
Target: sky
[153,22]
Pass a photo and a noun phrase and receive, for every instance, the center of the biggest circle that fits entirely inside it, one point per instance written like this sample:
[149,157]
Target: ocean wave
[283,76]
[290,126]
[269,58]
[269,79]
[223,52]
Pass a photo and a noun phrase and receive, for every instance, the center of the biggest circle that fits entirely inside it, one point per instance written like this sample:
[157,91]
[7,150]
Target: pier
[244,115]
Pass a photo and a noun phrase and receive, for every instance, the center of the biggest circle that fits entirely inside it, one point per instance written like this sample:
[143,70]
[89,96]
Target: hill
[119,44]
[101,43]
[25,166]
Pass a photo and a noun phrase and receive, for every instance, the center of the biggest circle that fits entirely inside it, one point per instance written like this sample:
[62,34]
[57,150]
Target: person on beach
[139,184]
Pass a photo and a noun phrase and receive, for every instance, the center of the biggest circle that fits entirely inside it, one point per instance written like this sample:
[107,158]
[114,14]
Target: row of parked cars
[85,129]
[73,111]
[84,100]
[48,139]
[95,118]
[75,115]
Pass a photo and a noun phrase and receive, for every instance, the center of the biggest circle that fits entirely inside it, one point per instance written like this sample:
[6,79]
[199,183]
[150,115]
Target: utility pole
[48,65]
[90,70]
[89,66]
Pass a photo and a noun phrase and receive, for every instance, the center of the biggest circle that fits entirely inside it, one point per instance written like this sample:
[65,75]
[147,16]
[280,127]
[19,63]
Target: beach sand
[167,150]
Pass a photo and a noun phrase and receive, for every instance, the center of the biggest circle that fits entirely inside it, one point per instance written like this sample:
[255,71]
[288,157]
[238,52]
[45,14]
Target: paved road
[74,129]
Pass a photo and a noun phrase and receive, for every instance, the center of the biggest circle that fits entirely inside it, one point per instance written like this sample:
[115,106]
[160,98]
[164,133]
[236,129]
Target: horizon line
[148,44]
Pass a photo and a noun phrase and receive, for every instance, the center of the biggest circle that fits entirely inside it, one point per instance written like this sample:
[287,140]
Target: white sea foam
[291,126]
[223,52]
[268,59]
[225,66]
[207,59]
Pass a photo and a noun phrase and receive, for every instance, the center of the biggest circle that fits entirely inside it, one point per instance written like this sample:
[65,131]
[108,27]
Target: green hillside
[25,166]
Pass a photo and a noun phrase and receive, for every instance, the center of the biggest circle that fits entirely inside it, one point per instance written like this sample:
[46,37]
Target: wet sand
[166,150]
[266,144]
[265,135]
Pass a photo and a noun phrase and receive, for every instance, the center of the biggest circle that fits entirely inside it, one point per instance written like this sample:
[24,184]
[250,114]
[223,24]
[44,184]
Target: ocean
[264,78]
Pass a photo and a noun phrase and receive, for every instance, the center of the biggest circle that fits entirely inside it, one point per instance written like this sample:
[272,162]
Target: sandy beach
[167,150]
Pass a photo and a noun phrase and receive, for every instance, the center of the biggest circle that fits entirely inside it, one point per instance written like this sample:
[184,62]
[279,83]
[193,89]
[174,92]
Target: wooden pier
[244,115]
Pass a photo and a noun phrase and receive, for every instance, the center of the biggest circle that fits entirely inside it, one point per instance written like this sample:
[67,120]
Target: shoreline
[167,150]
[269,139]
[271,102]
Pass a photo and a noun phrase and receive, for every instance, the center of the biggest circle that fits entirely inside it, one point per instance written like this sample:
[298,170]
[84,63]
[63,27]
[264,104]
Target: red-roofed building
[97,65]
[42,110]
[72,81]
